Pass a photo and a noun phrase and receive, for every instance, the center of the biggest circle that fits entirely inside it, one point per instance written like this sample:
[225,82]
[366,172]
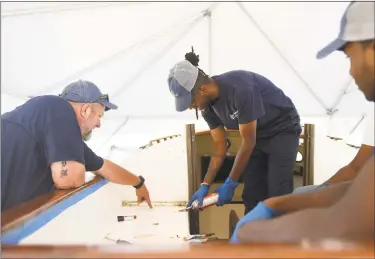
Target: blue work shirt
[246,96]
[34,135]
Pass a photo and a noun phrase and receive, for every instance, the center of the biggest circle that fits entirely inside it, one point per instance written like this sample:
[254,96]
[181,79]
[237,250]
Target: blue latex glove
[261,211]
[199,195]
[226,191]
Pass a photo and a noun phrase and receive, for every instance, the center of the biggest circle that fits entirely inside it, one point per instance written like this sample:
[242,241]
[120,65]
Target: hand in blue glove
[261,211]
[226,191]
[199,195]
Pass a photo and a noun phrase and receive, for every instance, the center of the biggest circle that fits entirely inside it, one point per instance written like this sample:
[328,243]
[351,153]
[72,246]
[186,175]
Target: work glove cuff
[231,183]
[268,210]
[204,188]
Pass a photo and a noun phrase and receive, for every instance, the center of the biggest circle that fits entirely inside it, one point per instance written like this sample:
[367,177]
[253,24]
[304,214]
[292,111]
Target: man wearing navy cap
[266,118]
[343,210]
[43,146]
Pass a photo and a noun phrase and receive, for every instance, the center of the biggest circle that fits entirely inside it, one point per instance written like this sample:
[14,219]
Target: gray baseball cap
[357,24]
[86,92]
[181,80]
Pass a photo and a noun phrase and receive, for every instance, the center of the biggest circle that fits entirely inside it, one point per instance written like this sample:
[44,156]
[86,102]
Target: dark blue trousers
[269,172]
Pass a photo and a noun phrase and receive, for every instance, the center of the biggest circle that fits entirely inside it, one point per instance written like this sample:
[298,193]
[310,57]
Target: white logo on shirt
[234,115]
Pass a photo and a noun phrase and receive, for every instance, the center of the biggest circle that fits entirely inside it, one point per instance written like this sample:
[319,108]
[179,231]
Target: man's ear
[203,89]
[86,111]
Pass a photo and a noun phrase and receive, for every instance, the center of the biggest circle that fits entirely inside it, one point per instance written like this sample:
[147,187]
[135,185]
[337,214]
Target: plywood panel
[216,219]
[204,143]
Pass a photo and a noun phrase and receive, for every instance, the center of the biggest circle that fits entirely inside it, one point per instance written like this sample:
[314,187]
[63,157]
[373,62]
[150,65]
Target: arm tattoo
[64,169]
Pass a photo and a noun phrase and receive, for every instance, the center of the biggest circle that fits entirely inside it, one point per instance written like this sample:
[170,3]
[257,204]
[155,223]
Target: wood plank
[219,249]
[207,132]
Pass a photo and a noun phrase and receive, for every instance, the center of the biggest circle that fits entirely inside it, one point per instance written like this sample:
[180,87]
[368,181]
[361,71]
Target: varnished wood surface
[218,249]
[207,132]
[17,215]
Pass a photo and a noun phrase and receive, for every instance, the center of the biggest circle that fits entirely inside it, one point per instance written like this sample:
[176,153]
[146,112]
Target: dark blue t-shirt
[246,96]
[34,135]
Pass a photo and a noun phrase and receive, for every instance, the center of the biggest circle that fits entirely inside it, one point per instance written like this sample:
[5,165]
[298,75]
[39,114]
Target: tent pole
[341,95]
[357,124]
[208,15]
[282,56]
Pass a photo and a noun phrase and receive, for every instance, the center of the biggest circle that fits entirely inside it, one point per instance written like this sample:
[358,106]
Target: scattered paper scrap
[117,241]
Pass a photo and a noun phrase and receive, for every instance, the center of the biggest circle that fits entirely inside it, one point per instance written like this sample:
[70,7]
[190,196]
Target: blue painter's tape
[14,236]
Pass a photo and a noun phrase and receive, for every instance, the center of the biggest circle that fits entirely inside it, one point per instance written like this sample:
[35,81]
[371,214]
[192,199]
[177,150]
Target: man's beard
[87,136]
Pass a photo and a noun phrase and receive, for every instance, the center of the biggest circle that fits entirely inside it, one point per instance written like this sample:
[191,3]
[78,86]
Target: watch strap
[140,184]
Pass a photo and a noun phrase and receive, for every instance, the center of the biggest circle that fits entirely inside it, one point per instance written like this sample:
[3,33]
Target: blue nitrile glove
[261,211]
[199,195]
[226,191]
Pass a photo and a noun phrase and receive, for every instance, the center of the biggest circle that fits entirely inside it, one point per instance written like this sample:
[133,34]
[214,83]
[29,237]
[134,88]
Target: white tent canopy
[127,49]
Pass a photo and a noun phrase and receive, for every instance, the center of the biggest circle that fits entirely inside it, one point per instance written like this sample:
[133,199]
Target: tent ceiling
[128,49]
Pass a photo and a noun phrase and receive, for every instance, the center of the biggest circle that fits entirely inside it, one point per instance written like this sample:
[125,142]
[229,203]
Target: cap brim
[337,44]
[183,102]
[108,105]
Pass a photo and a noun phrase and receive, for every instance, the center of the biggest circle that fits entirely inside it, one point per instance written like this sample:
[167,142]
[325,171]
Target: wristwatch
[140,184]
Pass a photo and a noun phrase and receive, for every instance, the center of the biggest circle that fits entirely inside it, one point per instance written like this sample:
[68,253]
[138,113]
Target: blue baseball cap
[357,24]
[181,81]
[86,92]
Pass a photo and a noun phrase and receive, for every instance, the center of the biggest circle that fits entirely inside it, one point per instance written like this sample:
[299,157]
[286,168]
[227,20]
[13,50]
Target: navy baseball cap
[181,80]
[357,24]
[86,92]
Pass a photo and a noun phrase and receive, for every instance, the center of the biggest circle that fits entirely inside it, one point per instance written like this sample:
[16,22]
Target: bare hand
[143,195]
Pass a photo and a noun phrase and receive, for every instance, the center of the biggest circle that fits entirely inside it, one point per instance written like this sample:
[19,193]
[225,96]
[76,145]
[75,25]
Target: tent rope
[282,56]
[340,96]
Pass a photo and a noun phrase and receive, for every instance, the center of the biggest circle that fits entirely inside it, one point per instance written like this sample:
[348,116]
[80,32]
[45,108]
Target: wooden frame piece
[193,180]
[308,161]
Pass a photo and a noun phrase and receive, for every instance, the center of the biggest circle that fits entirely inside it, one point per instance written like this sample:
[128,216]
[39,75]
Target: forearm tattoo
[64,169]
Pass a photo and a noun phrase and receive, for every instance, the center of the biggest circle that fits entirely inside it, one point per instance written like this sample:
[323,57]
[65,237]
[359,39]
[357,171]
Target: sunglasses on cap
[103,97]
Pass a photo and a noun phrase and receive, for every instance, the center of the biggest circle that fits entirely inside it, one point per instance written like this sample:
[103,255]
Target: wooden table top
[214,249]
